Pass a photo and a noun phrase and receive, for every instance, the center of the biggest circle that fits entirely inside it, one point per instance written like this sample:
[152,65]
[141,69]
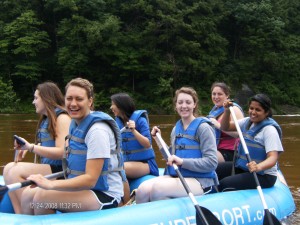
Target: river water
[24,125]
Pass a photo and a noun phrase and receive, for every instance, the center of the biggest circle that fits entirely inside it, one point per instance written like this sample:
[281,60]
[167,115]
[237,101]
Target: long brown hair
[125,104]
[52,98]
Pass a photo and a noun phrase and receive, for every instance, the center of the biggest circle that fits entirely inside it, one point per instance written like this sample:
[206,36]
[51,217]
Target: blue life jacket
[45,139]
[215,112]
[132,150]
[76,152]
[256,150]
[187,145]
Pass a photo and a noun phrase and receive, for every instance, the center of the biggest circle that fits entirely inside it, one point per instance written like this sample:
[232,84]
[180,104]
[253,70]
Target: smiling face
[38,103]
[257,112]
[185,106]
[218,96]
[77,103]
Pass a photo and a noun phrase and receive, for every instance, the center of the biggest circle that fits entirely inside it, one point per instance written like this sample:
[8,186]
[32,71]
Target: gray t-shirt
[209,160]
[268,137]
[100,140]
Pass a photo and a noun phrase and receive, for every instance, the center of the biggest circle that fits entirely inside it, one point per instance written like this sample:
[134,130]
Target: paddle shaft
[184,183]
[259,189]
[123,129]
[15,186]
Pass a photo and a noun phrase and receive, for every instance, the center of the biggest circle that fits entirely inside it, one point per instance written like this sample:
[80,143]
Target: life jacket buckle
[179,135]
[182,146]
[126,152]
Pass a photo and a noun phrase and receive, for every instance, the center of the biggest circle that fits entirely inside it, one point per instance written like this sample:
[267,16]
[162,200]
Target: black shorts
[55,169]
[105,200]
[227,154]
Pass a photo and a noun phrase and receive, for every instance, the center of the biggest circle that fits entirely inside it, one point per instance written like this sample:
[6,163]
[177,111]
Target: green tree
[24,42]
[8,98]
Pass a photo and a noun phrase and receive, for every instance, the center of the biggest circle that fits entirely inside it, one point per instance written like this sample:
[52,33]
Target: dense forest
[149,48]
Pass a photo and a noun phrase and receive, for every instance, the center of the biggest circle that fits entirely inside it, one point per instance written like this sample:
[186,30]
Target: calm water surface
[25,125]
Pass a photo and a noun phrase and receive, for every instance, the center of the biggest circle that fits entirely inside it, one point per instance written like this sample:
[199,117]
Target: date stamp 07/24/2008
[55,205]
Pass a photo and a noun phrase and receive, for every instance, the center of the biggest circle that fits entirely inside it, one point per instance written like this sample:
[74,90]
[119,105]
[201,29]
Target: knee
[39,195]
[27,199]
[226,185]
[156,193]
[142,194]
[7,172]
[26,196]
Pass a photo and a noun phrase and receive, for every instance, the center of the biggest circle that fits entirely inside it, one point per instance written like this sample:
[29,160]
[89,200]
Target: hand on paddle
[40,181]
[155,130]
[173,159]
[228,103]
[253,167]
[130,125]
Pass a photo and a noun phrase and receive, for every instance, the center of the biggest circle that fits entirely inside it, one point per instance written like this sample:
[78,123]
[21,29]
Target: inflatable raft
[231,208]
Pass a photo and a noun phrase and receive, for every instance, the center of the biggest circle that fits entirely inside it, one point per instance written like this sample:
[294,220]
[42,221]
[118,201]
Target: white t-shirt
[100,140]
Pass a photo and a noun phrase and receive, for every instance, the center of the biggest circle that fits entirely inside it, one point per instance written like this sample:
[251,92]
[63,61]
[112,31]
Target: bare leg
[136,169]
[18,172]
[165,187]
[28,194]
[220,157]
[172,188]
[75,201]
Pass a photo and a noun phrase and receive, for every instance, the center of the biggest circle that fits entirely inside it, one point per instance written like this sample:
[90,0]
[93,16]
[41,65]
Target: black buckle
[179,135]
[181,146]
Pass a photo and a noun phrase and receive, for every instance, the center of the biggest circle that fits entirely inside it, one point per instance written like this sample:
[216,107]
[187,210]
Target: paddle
[269,218]
[15,186]
[203,215]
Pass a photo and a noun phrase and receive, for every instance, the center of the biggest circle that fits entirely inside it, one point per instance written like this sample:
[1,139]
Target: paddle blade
[270,219]
[209,216]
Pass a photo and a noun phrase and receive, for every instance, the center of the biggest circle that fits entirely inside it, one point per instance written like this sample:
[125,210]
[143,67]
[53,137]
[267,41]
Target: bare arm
[269,162]
[82,182]
[62,130]
[227,123]
[144,141]
[217,124]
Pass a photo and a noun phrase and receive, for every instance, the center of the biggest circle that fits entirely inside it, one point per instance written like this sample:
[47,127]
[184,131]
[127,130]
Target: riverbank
[289,110]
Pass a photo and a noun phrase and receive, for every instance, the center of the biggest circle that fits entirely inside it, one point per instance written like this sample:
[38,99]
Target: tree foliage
[150,48]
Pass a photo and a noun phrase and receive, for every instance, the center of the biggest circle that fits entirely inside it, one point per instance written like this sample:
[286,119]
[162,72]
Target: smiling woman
[226,141]
[193,150]
[79,98]
[94,164]
[263,137]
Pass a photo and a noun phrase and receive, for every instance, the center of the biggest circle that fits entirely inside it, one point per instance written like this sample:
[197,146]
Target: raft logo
[190,220]
[234,216]
[241,215]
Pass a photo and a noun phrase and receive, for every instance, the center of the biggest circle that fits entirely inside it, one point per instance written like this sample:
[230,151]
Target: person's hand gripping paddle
[203,215]
[269,218]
